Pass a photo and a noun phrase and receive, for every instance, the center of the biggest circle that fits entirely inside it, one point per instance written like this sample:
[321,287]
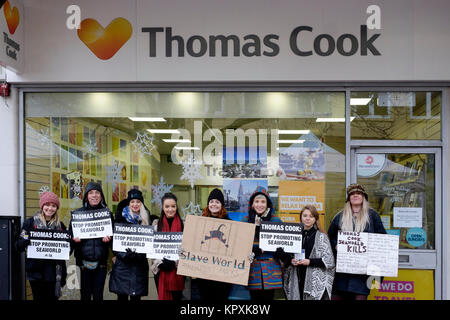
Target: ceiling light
[290,141]
[294,131]
[142,119]
[359,101]
[163,131]
[187,148]
[177,140]
[333,119]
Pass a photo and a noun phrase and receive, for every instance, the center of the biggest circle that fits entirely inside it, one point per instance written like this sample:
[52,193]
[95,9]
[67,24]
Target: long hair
[54,220]
[168,195]
[207,213]
[315,214]
[143,214]
[362,219]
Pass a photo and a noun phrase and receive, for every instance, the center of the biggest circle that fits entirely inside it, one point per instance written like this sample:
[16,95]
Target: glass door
[404,187]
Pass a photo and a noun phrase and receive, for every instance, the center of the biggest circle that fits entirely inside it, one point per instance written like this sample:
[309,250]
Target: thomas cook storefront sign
[11,28]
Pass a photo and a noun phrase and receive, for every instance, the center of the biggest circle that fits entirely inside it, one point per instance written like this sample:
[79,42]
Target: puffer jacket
[129,275]
[94,250]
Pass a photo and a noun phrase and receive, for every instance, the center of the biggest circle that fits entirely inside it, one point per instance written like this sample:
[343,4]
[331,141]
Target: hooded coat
[129,274]
[94,250]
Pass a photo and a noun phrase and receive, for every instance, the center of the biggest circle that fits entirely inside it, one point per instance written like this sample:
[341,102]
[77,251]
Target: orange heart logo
[12,17]
[105,42]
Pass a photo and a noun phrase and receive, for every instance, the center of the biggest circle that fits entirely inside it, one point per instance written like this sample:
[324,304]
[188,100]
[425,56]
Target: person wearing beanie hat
[357,216]
[129,276]
[210,290]
[92,254]
[265,269]
[46,276]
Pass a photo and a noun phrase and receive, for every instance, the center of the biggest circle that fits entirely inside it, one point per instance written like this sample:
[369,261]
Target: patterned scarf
[169,280]
[131,217]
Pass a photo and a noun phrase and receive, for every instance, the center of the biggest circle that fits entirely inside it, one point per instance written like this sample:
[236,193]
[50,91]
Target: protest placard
[92,224]
[274,235]
[135,237]
[367,253]
[49,244]
[216,249]
[166,245]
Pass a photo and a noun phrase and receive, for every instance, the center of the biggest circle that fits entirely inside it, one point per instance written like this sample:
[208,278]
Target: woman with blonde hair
[46,277]
[356,216]
[310,277]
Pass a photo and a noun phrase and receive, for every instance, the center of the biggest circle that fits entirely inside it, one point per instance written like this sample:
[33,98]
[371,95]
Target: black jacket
[130,271]
[354,283]
[91,249]
[40,269]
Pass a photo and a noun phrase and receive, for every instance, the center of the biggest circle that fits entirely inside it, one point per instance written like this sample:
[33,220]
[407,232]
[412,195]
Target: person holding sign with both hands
[356,216]
[46,277]
[310,277]
[129,276]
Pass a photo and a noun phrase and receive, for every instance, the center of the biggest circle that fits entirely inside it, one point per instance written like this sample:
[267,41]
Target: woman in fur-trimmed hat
[359,217]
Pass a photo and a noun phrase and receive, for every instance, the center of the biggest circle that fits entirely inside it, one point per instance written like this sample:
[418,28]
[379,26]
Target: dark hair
[168,195]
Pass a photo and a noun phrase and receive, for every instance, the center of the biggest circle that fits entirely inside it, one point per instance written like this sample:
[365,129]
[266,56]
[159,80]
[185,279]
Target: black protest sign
[136,237]
[49,244]
[166,245]
[92,224]
[274,235]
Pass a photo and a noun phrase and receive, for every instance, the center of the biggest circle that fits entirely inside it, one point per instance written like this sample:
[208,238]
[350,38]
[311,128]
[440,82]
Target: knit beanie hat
[218,195]
[48,197]
[356,188]
[135,194]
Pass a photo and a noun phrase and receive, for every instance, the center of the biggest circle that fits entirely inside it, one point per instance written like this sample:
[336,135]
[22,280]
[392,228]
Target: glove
[281,255]
[131,255]
[167,265]
[257,251]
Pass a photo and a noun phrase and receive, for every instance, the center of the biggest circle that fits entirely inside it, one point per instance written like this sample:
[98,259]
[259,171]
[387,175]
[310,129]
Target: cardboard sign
[367,253]
[285,235]
[92,224]
[135,237]
[216,249]
[166,245]
[49,244]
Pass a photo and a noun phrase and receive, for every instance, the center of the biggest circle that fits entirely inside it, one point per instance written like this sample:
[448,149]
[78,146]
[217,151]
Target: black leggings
[262,295]
[92,283]
[43,290]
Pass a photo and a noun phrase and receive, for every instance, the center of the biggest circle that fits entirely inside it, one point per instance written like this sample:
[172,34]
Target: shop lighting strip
[163,131]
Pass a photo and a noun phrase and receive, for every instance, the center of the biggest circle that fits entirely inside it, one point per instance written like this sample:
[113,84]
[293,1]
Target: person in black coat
[356,216]
[46,277]
[91,255]
[211,290]
[129,276]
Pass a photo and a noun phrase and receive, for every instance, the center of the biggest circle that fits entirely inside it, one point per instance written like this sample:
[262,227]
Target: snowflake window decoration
[143,143]
[159,190]
[191,209]
[191,170]
[44,138]
[114,173]
[43,189]
[90,147]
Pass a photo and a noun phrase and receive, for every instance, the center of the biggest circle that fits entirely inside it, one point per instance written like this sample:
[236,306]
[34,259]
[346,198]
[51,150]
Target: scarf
[169,280]
[129,216]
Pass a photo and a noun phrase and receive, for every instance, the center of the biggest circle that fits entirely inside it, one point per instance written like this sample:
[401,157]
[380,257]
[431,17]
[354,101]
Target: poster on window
[166,245]
[138,238]
[216,249]
[49,244]
[92,224]
[294,195]
[275,235]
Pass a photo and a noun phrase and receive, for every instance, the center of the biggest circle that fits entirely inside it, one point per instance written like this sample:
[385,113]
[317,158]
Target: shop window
[396,115]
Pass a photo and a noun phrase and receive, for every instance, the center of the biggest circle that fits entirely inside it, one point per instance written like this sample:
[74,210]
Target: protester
[356,216]
[214,290]
[170,285]
[129,276]
[265,270]
[46,276]
[311,278]
[92,254]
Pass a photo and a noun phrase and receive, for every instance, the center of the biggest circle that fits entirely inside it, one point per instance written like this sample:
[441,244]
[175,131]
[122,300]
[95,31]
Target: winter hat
[260,191]
[48,197]
[356,188]
[135,194]
[218,195]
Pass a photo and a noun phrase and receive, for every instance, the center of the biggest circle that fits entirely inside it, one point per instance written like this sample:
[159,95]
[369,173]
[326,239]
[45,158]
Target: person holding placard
[310,275]
[214,290]
[170,286]
[129,276]
[46,277]
[91,255]
[265,270]
[359,217]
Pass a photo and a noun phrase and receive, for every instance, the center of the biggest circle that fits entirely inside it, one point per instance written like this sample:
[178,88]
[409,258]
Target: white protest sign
[278,234]
[367,253]
[166,245]
[407,217]
[92,224]
[49,244]
[135,237]
[383,255]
